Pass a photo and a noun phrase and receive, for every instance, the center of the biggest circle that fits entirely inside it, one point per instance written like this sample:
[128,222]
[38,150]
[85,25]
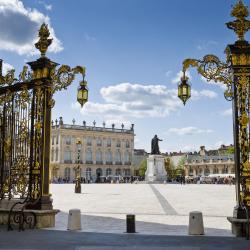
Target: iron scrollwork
[212,69]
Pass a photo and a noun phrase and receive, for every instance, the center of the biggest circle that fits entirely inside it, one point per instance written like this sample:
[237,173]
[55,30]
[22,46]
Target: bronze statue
[155,146]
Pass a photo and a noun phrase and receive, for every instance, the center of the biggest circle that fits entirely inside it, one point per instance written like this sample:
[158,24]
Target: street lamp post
[78,168]
[235,74]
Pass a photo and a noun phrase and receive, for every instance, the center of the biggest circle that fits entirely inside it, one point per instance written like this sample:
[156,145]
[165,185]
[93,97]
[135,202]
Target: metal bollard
[130,223]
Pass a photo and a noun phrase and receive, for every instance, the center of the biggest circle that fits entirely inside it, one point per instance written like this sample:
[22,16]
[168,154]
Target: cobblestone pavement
[160,209]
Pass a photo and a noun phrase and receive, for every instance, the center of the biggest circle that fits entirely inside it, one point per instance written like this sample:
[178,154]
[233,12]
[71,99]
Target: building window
[67,140]
[56,154]
[89,141]
[108,171]
[99,142]
[98,172]
[215,170]
[99,156]
[225,170]
[53,140]
[109,157]
[118,143]
[232,170]
[127,144]
[57,139]
[127,157]
[67,156]
[88,173]
[88,156]
[207,171]
[127,172]
[118,172]
[108,142]
[191,171]
[67,174]
[118,157]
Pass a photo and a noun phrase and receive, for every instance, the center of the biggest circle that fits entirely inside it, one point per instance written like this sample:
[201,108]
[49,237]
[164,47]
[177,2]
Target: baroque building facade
[204,162]
[104,152]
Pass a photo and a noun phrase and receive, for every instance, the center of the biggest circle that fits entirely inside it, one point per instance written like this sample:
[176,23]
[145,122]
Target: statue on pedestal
[155,146]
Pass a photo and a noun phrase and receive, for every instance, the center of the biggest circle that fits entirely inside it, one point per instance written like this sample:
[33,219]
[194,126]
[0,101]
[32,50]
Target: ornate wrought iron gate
[25,121]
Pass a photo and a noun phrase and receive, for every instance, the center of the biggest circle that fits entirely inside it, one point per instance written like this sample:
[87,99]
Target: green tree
[143,167]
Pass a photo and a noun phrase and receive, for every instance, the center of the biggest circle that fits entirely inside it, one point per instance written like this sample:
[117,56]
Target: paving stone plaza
[160,209]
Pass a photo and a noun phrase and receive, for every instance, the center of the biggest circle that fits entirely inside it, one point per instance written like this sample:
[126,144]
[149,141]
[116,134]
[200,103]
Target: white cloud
[188,131]
[179,75]
[6,67]
[206,45]
[127,100]
[168,73]
[19,28]
[46,6]
[227,112]
[134,100]
[89,38]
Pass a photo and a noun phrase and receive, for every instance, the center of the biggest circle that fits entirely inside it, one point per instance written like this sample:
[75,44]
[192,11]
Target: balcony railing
[99,162]
[118,163]
[127,163]
[109,162]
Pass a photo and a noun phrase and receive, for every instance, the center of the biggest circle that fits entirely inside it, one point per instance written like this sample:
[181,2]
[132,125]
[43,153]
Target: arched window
[88,173]
[127,144]
[98,172]
[118,172]
[109,157]
[67,173]
[108,171]
[99,156]
[118,158]
[88,155]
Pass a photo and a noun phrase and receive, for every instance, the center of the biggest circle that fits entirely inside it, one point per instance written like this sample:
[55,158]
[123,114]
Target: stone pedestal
[155,172]
[240,227]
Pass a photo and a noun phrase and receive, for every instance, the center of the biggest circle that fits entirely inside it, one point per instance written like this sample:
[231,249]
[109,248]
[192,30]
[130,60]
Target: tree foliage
[143,167]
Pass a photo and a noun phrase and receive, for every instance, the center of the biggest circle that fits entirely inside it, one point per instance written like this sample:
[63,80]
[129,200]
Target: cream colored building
[104,151]
[205,162]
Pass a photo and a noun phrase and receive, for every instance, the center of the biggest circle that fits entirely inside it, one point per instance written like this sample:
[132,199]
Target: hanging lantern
[82,93]
[184,90]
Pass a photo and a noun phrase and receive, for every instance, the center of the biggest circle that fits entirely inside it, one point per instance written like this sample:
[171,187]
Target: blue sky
[133,51]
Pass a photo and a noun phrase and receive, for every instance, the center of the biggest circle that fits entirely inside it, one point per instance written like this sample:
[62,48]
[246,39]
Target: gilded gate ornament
[25,113]
[235,74]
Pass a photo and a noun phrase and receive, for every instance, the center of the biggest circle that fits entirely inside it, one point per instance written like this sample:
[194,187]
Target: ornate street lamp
[235,74]
[82,93]
[184,89]
[78,168]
